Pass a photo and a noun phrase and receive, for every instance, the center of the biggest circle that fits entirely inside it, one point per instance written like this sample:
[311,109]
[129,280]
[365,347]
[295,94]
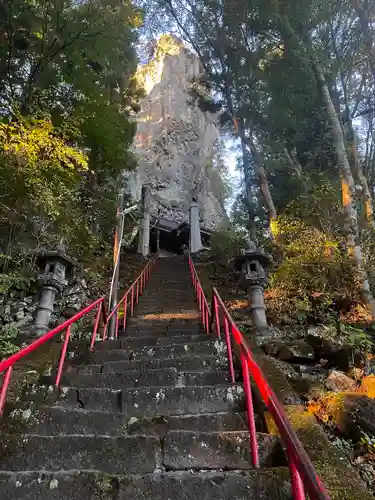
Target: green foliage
[227,244]
[15,281]
[66,96]
[8,335]
[356,337]
[314,278]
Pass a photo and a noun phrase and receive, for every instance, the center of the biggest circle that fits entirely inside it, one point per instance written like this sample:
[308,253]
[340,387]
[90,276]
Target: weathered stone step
[57,420]
[147,341]
[165,333]
[187,363]
[203,422]
[169,377]
[90,485]
[160,324]
[131,454]
[219,450]
[157,352]
[152,401]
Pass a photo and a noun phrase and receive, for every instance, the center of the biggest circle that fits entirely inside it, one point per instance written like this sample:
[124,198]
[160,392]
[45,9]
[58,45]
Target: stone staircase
[149,416]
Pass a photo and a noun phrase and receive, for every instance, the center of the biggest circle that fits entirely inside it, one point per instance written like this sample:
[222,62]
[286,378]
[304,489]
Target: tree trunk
[362,179]
[368,38]
[263,183]
[249,194]
[347,187]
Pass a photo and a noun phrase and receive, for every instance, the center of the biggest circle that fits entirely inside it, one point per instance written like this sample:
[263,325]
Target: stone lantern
[253,264]
[55,267]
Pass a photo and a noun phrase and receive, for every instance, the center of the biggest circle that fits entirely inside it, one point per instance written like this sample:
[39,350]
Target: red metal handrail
[135,291]
[201,298]
[7,364]
[302,472]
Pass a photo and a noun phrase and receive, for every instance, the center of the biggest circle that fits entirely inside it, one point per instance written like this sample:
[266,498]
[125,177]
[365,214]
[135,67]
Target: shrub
[227,244]
[315,279]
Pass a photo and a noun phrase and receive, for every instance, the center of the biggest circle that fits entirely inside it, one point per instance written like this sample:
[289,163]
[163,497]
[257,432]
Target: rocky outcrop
[175,139]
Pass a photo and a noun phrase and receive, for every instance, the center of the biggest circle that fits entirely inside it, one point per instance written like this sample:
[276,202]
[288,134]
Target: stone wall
[175,139]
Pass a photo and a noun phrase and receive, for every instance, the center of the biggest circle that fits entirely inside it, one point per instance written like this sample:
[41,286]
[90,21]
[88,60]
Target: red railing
[201,298]
[302,472]
[136,290]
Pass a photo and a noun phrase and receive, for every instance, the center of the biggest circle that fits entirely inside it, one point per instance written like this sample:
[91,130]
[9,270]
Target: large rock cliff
[175,139]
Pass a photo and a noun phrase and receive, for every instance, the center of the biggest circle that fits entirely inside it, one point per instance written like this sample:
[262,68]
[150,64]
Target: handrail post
[116,330]
[216,312]
[250,411]
[96,324]
[229,349]
[62,356]
[125,311]
[4,388]
[132,301]
[298,490]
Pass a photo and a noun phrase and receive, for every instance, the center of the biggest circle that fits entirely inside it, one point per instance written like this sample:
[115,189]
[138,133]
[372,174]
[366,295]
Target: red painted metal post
[216,311]
[229,349]
[137,293]
[4,388]
[250,411]
[116,330]
[207,321]
[132,302]
[62,356]
[105,332]
[203,314]
[125,311]
[298,490]
[96,324]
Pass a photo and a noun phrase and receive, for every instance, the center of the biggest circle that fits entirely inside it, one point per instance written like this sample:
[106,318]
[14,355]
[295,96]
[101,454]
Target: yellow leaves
[39,165]
[367,386]
[328,408]
[274,226]
[36,145]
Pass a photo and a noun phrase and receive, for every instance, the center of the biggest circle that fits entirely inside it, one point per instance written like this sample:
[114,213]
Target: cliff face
[174,140]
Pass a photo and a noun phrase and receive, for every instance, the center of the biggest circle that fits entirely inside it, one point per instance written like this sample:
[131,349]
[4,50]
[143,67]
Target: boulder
[19,315]
[338,354]
[298,350]
[357,417]
[272,347]
[339,382]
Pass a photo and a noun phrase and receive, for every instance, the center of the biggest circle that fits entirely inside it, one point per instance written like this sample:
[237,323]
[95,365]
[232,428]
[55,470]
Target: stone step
[134,342]
[166,333]
[115,455]
[153,401]
[143,331]
[57,420]
[177,485]
[169,377]
[157,352]
[187,363]
[219,450]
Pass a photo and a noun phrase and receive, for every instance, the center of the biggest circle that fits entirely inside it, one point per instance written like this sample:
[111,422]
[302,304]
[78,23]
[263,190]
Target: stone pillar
[45,309]
[257,306]
[144,233]
[195,232]
[157,240]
